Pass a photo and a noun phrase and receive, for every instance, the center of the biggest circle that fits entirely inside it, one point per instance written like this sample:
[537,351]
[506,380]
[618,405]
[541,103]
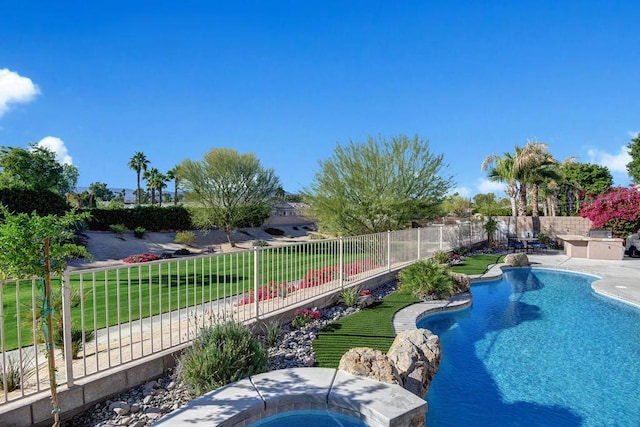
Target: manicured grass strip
[477,264]
[370,327]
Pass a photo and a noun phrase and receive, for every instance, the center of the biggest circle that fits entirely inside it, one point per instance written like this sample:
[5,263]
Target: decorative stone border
[260,396]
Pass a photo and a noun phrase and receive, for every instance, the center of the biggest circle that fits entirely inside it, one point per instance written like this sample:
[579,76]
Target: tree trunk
[534,200]
[175,192]
[514,207]
[47,309]
[522,208]
[227,231]
[139,198]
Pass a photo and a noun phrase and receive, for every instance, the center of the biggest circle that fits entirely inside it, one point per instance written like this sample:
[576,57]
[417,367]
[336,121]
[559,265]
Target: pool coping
[254,398]
[617,287]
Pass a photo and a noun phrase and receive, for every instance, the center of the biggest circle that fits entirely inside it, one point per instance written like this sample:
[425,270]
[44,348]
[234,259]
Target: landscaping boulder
[517,260]
[365,300]
[369,363]
[416,356]
[461,282]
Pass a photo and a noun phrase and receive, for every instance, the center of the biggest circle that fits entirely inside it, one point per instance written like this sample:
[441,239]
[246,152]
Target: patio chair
[515,246]
[538,247]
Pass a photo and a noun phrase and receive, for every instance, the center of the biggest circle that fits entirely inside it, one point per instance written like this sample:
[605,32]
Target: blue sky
[288,80]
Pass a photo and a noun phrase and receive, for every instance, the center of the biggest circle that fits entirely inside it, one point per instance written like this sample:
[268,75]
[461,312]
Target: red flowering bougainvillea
[618,209]
[145,257]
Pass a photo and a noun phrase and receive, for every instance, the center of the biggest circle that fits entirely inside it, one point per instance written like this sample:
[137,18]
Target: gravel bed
[144,405]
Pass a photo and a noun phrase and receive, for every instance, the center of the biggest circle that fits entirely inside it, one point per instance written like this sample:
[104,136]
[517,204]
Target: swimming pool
[310,419]
[537,347]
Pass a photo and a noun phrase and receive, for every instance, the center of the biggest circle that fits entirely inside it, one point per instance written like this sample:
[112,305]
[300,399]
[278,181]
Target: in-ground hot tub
[258,397]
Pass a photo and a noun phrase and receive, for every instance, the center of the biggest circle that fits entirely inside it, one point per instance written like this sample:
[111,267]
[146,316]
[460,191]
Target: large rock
[462,283]
[369,363]
[416,356]
[517,260]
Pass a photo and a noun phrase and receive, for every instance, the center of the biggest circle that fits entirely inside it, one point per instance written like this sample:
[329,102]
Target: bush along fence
[110,316]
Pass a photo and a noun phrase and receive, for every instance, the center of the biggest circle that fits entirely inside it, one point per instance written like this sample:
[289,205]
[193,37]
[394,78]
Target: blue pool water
[537,348]
[309,419]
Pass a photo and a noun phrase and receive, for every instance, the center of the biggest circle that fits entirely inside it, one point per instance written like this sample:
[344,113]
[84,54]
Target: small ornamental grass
[17,372]
[221,354]
[349,297]
[426,279]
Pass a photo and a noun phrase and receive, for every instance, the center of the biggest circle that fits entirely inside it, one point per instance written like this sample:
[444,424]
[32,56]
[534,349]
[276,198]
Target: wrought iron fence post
[256,280]
[418,257]
[341,262]
[440,238]
[388,250]
[66,327]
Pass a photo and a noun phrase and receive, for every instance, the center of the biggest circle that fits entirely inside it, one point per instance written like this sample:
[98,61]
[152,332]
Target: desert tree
[382,184]
[234,189]
[139,163]
[37,246]
[633,167]
[36,168]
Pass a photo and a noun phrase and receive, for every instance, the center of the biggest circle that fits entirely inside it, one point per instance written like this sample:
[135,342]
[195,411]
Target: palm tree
[174,175]
[159,182]
[533,165]
[501,169]
[152,176]
[138,163]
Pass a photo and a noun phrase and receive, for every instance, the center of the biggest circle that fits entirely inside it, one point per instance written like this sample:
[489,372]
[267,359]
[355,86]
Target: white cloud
[632,134]
[616,162]
[57,146]
[487,186]
[15,89]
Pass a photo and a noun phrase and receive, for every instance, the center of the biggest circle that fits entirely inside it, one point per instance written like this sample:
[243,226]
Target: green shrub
[221,354]
[76,339]
[349,297]
[441,257]
[21,200]
[271,331]
[151,218]
[260,243]
[185,238]
[118,229]
[426,279]
[139,232]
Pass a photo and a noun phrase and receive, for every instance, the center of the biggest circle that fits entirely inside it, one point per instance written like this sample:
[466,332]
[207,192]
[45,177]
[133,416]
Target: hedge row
[151,218]
[21,200]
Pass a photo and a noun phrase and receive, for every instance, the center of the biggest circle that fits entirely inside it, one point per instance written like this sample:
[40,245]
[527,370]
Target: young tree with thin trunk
[36,246]
[234,190]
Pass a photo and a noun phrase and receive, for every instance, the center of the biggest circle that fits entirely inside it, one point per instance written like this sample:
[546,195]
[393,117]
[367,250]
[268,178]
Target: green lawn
[477,264]
[369,327]
[372,327]
[138,290]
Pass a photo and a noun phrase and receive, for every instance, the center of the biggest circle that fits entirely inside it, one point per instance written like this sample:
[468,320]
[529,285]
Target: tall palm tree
[174,175]
[533,165]
[152,176]
[138,163]
[159,182]
[501,169]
